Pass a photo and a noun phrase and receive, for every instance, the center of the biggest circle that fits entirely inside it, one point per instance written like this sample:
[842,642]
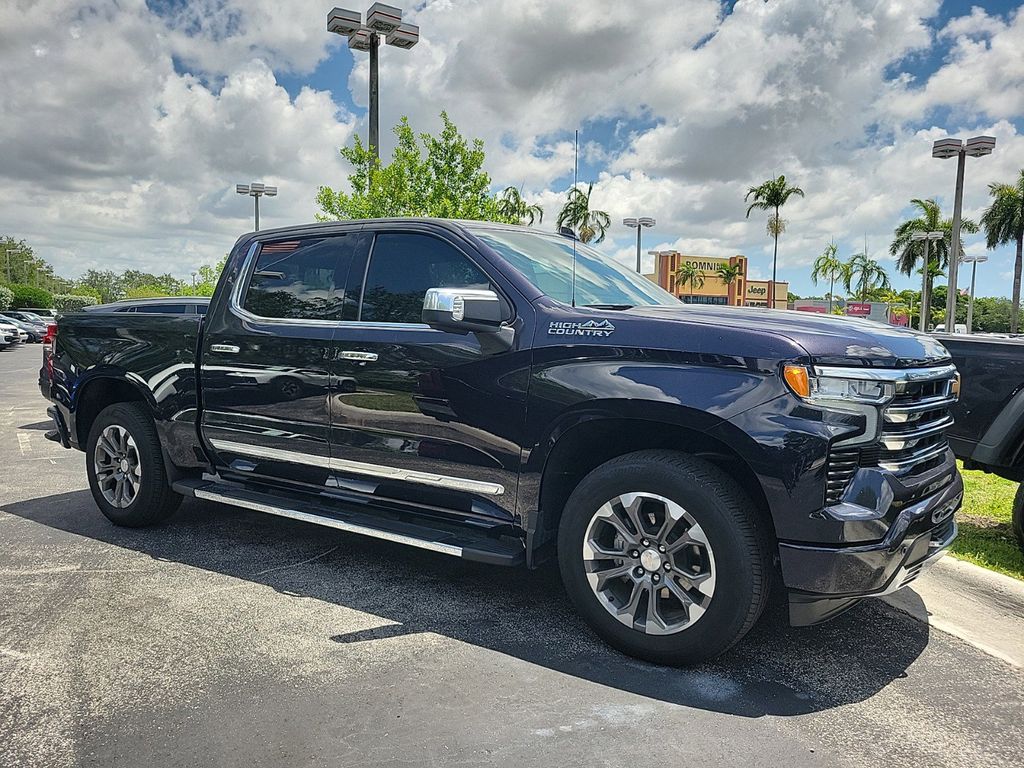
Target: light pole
[973,261]
[945,149]
[193,282]
[638,224]
[8,254]
[926,299]
[381,19]
[256,190]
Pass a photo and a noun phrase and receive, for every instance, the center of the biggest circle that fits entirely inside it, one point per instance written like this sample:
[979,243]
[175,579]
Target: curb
[979,606]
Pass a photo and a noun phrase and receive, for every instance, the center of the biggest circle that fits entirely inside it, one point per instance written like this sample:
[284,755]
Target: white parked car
[12,335]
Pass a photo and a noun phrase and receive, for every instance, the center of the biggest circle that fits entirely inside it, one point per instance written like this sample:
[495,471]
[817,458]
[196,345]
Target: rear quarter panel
[156,354]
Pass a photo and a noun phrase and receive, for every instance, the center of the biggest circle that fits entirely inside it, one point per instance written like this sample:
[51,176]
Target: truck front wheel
[126,470]
[661,554]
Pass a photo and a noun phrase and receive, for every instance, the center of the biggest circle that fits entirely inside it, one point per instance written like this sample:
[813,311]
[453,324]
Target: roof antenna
[575,175]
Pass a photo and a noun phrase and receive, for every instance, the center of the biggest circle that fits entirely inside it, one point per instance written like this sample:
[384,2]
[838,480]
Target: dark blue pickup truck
[505,395]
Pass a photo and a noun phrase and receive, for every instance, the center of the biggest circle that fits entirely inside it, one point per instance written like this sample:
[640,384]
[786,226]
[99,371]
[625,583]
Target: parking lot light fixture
[974,261]
[256,190]
[638,223]
[945,149]
[381,19]
[8,254]
[925,297]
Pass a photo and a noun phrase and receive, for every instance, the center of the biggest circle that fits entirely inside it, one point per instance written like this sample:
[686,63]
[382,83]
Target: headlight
[836,390]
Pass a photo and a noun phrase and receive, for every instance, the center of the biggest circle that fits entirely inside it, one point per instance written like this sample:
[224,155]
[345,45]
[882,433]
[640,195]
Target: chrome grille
[913,437]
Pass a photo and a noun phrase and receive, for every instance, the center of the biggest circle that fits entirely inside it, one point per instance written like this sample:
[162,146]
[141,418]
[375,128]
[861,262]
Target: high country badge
[589,328]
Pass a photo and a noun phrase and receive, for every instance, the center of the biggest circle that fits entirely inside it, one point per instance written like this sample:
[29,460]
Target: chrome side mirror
[462,309]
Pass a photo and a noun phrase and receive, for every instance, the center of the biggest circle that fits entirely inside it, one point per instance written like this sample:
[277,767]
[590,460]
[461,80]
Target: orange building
[741,292]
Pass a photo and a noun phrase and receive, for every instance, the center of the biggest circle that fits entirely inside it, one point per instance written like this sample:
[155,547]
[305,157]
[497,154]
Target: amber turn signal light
[797,379]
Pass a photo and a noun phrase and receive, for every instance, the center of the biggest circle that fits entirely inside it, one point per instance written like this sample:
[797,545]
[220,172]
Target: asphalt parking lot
[231,638]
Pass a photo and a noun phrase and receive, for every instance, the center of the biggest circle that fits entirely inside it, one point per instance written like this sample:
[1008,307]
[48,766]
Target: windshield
[546,261]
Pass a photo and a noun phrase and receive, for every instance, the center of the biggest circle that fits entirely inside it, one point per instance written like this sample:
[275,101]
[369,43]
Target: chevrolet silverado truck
[988,433]
[506,396]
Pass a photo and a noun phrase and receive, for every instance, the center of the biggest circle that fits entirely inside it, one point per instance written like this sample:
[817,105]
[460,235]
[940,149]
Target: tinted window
[401,270]
[163,309]
[305,279]
[200,309]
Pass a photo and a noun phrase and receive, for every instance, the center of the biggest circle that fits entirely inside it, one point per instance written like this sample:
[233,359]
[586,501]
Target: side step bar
[469,545]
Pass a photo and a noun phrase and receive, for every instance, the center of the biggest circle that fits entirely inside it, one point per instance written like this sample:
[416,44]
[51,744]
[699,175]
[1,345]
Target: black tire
[154,500]
[1018,516]
[727,517]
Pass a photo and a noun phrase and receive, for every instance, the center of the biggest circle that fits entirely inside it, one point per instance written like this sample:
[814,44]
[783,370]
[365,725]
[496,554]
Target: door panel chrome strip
[360,468]
[330,522]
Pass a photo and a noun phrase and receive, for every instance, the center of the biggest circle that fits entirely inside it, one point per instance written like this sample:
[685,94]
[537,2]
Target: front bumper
[824,581]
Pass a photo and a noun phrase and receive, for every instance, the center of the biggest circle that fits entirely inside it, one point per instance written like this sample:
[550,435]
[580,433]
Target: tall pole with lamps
[926,299]
[638,224]
[381,19]
[973,261]
[256,190]
[945,149]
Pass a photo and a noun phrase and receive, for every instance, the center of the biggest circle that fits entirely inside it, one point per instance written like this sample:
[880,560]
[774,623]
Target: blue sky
[127,127]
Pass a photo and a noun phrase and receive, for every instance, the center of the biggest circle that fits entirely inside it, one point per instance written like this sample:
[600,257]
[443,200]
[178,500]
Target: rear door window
[305,279]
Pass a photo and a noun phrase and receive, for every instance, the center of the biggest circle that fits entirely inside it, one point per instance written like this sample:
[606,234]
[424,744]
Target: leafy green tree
[828,266]
[146,292]
[1004,223]
[910,253]
[588,223]
[772,195]
[688,274]
[6,298]
[438,176]
[207,278]
[865,273]
[515,210]
[106,284]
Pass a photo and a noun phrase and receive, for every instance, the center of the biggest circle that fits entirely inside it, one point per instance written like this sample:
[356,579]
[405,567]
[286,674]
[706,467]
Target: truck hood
[827,340]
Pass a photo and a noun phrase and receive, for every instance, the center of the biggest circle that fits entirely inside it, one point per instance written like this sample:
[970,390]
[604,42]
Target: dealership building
[742,292]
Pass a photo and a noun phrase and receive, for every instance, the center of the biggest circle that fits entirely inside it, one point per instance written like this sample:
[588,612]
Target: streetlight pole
[974,260]
[638,224]
[12,252]
[945,149]
[256,190]
[381,19]
[926,299]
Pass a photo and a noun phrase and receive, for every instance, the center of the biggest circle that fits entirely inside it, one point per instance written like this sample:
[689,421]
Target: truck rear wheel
[661,554]
[126,469]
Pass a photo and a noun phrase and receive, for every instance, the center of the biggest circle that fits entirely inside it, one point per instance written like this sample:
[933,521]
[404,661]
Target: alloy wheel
[117,466]
[649,563]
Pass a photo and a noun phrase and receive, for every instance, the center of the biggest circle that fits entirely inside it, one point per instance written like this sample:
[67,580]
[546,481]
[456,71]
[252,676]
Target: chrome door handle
[362,357]
[231,349]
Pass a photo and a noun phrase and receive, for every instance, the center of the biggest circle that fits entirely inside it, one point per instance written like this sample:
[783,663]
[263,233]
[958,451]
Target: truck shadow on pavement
[775,670]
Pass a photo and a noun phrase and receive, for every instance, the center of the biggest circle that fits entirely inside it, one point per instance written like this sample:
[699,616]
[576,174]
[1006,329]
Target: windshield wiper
[609,306]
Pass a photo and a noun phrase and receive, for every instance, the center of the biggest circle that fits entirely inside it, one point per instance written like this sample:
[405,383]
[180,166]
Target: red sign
[901,320]
[819,310]
[858,309]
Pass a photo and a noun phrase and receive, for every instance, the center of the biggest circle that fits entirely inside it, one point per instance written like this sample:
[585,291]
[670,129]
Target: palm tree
[515,210]
[585,222]
[771,196]
[910,253]
[865,272]
[688,274]
[728,273]
[1004,223]
[829,267]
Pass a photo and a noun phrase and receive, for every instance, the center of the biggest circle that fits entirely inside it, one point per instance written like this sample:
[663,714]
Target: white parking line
[25,443]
